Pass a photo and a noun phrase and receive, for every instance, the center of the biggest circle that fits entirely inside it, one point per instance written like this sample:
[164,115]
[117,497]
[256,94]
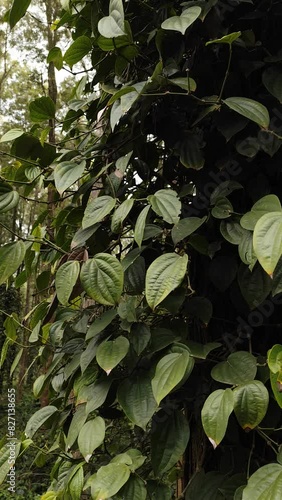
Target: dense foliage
[158,253]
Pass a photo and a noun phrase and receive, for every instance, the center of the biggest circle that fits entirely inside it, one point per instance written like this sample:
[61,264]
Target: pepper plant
[161,249]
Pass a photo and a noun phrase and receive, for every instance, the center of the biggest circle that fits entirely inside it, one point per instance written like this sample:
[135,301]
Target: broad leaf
[102,278]
[222,209]
[97,209]
[264,484]
[163,276]
[139,337]
[112,25]
[136,398]
[13,134]
[250,404]
[140,225]
[181,23]
[170,370]
[190,150]
[65,279]
[239,368]
[185,227]
[215,414]
[17,11]
[166,204]
[108,480]
[77,422]
[169,439]
[120,214]
[269,203]
[134,489]
[11,257]
[229,39]
[255,285]
[272,80]
[67,173]
[232,231]
[38,419]
[41,109]
[9,198]
[91,436]
[55,55]
[110,353]
[101,323]
[268,240]
[249,108]
[274,358]
[78,49]
[75,485]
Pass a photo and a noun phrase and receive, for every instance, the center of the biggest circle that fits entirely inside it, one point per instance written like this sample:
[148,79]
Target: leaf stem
[226,74]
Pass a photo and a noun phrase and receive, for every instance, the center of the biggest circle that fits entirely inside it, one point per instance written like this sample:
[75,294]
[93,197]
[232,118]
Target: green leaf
[272,80]
[201,351]
[9,198]
[240,367]
[269,203]
[97,209]
[250,404]
[140,225]
[113,25]
[14,133]
[249,108]
[17,11]
[163,276]
[67,173]
[247,255]
[16,361]
[136,398]
[120,214]
[91,436]
[255,285]
[75,485]
[169,440]
[65,279]
[55,55]
[11,257]
[170,370]
[38,419]
[227,38]
[222,209]
[41,109]
[276,386]
[184,83]
[191,155]
[166,204]
[139,337]
[264,484]
[185,227]
[215,414]
[77,422]
[102,278]
[110,353]
[232,231]
[101,323]
[134,489]
[108,480]
[77,50]
[274,358]
[268,240]
[182,22]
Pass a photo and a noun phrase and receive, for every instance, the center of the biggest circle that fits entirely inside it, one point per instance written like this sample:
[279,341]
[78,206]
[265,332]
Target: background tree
[162,334]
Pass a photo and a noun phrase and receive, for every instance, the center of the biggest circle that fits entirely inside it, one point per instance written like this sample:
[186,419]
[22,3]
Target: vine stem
[226,73]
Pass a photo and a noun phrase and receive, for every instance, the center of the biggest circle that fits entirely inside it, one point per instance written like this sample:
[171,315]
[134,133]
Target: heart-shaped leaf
[249,108]
[112,25]
[110,353]
[268,240]
[91,436]
[264,484]
[215,414]
[65,280]
[239,368]
[182,22]
[250,404]
[136,397]
[166,204]
[102,278]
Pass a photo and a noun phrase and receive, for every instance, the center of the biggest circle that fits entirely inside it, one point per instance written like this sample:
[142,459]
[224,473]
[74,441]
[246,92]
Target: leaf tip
[214,444]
